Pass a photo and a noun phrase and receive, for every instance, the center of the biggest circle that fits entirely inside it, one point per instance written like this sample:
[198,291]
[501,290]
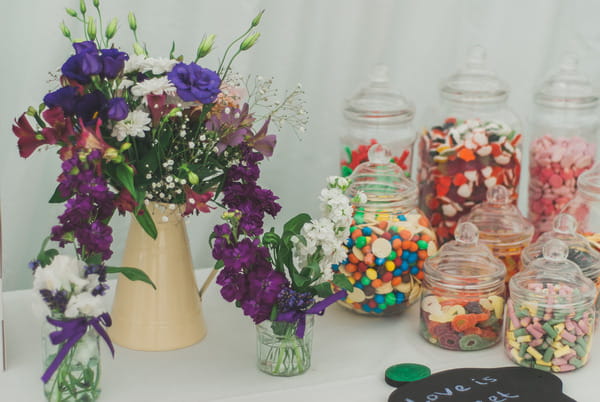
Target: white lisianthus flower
[135,125]
[158,65]
[64,273]
[85,304]
[155,86]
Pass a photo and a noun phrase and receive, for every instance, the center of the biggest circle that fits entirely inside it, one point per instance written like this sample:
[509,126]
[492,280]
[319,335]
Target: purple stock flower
[195,83]
[117,109]
[65,98]
[113,62]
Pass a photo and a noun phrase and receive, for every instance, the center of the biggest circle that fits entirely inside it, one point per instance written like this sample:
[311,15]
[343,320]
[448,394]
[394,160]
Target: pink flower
[196,202]
[29,139]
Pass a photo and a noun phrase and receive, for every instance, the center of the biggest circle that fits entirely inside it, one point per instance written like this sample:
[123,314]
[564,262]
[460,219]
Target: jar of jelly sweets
[471,143]
[462,303]
[390,239]
[502,227]
[550,313]
[378,114]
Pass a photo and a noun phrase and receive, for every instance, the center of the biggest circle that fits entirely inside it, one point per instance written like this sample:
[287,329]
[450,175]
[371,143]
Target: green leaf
[295,224]
[57,198]
[274,313]
[133,274]
[125,176]
[94,259]
[341,281]
[323,289]
[271,238]
[219,264]
[146,222]
[45,257]
[172,52]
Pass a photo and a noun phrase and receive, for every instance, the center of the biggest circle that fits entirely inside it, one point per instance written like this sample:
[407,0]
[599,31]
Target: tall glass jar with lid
[471,143]
[378,114]
[390,239]
[564,129]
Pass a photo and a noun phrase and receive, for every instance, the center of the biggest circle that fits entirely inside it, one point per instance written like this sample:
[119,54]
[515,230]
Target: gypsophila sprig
[279,277]
[134,128]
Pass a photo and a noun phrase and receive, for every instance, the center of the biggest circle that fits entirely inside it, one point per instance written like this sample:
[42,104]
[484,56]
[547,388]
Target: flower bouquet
[154,137]
[71,296]
[277,279]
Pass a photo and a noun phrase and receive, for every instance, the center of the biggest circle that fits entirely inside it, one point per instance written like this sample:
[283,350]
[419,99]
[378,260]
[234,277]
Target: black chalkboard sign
[501,384]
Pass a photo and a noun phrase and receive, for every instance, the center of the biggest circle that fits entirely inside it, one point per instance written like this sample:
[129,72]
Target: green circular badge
[400,374]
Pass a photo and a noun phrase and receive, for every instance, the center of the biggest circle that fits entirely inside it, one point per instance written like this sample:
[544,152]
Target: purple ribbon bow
[317,308]
[70,333]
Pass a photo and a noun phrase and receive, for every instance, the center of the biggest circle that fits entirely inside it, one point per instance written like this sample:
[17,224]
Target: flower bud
[111,154]
[71,12]
[91,28]
[111,28]
[82,6]
[132,21]
[125,146]
[65,31]
[249,41]
[193,178]
[205,46]
[96,3]
[256,19]
[138,49]
[31,111]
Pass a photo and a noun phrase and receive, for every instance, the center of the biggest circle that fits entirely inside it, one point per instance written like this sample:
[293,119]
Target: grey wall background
[328,46]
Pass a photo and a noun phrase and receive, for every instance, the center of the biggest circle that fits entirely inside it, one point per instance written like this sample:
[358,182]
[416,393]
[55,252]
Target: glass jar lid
[553,280]
[588,183]
[580,252]
[378,103]
[499,221]
[567,88]
[465,264]
[382,181]
[475,82]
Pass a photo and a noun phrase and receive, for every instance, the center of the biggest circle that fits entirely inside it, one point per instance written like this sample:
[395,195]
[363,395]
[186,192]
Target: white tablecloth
[350,355]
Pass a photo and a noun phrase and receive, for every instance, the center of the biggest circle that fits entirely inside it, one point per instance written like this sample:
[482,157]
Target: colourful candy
[555,165]
[387,267]
[465,323]
[459,162]
[557,339]
[360,154]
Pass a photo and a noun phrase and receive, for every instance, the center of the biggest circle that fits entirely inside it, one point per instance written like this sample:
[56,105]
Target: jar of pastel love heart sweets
[550,313]
[390,238]
[463,297]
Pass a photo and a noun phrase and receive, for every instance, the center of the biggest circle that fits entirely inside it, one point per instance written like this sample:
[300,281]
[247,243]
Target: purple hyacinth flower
[117,109]
[113,62]
[195,83]
[65,98]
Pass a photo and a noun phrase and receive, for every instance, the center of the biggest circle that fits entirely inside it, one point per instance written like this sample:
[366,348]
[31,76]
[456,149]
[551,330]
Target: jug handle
[207,282]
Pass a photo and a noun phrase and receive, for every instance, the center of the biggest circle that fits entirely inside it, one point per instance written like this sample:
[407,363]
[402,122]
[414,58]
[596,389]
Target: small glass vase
[78,375]
[279,351]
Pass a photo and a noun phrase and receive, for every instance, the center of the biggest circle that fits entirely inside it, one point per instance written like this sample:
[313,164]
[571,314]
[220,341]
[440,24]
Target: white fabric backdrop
[328,46]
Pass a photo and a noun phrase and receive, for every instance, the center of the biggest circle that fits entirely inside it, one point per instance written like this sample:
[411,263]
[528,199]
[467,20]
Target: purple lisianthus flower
[195,83]
[117,109]
[113,62]
[91,63]
[85,62]
[90,106]
[87,46]
[65,98]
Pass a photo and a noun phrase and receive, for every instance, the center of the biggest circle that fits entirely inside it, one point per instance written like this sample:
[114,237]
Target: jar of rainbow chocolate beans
[564,128]
[472,143]
[378,114]
[390,239]
[463,298]
[580,251]
[502,228]
[550,313]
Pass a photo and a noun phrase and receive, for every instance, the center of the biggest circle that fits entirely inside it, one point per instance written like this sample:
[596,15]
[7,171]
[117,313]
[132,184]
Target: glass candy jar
[471,144]
[550,313]
[463,297]
[378,114]
[585,207]
[580,251]
[390,239]
[502,228]
[564,129]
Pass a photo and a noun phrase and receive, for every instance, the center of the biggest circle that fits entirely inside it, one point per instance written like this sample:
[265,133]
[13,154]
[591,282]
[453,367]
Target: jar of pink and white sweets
[564,128]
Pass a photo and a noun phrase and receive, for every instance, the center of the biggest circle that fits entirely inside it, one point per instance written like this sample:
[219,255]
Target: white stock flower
[86,348]
[64,273]
[135,125]
[335,206]
[85,304]
[155,86]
